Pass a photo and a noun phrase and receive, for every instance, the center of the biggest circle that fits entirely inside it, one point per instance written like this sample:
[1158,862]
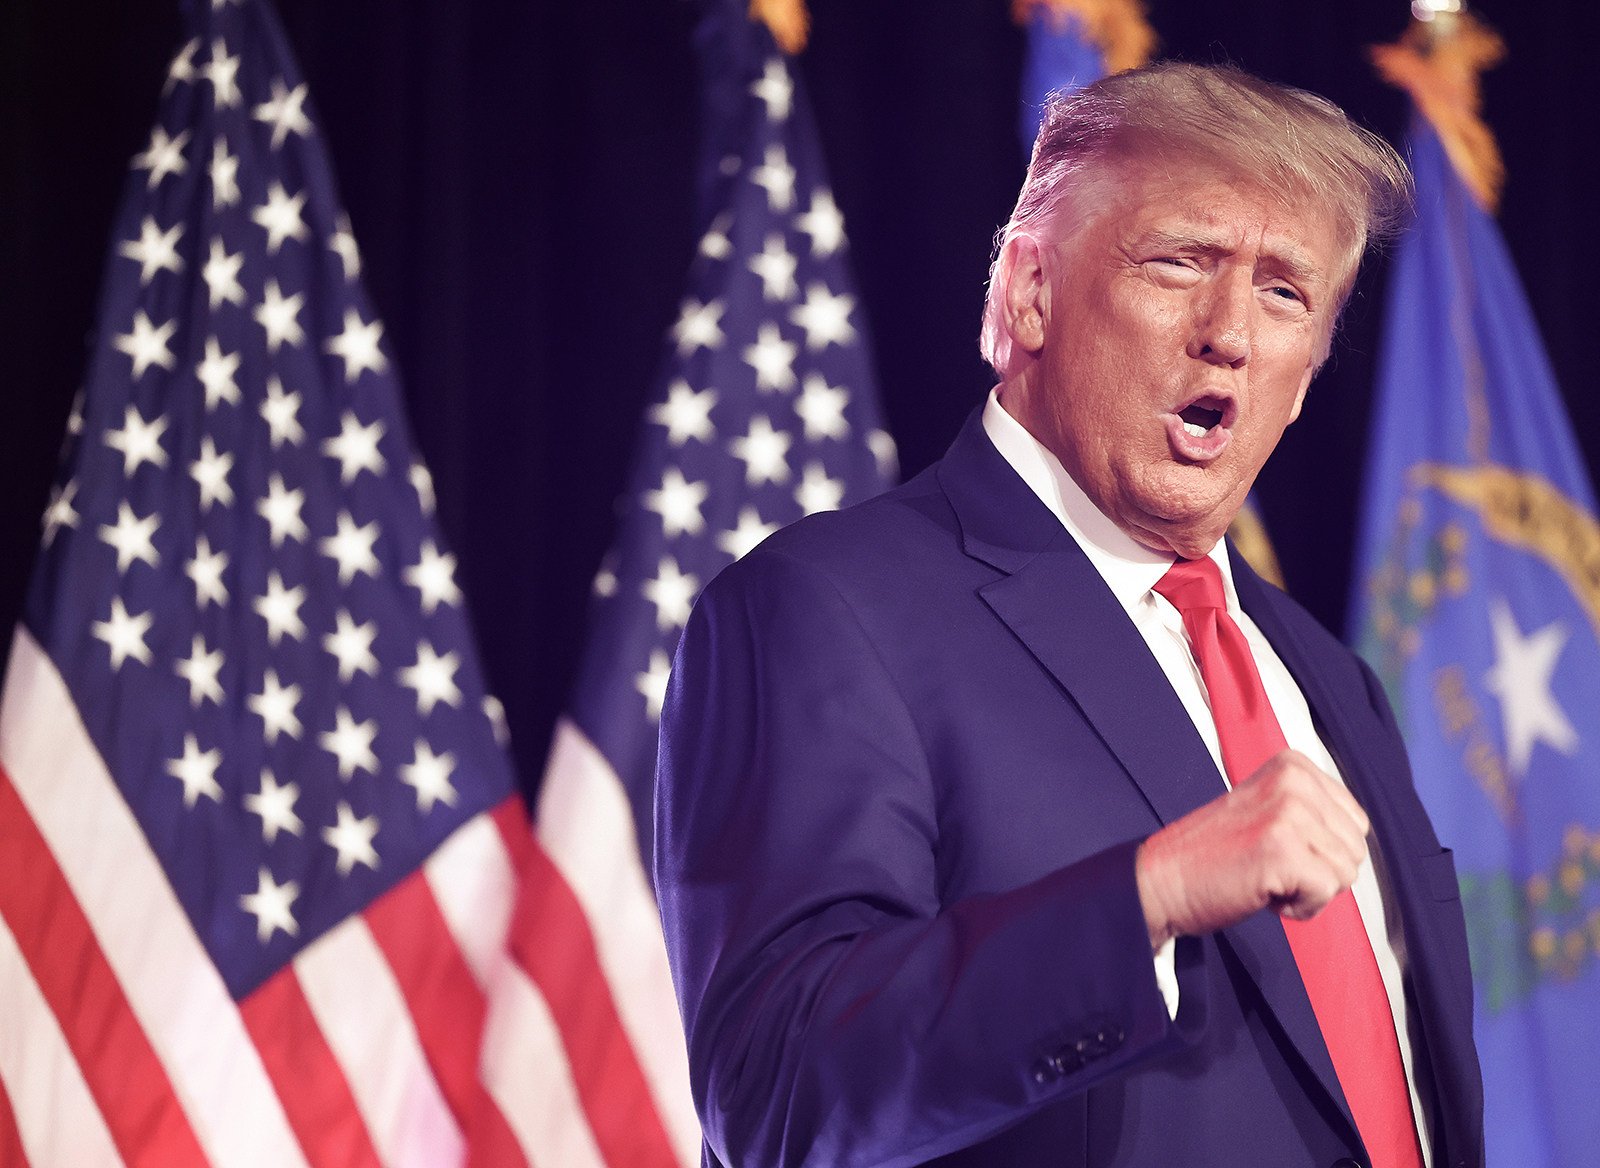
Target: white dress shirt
[1131,571]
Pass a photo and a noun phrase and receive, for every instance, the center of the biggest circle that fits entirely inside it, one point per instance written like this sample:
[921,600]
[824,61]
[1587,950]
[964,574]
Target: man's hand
[1289,837]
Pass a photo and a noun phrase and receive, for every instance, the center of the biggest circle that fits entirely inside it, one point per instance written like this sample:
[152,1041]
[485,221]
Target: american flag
[263,848]
[766,411]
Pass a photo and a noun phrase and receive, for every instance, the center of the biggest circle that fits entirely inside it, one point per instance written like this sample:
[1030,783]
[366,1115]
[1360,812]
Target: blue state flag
[1478,602]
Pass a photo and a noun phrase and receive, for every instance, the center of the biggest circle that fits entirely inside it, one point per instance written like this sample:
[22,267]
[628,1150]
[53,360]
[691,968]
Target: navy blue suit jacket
[907,754]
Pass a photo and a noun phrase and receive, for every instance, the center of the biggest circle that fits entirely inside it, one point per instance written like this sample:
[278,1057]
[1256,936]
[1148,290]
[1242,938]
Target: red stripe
[11,1153]
[124,1076]
[316,1097]
[550,938]
[446,1004]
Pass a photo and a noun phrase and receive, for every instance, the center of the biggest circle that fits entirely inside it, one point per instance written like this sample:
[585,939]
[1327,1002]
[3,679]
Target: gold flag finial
[787,19]
[1117,27]
[1437,61]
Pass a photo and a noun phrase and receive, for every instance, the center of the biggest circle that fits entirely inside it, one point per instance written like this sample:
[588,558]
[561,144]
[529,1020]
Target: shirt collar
[1129,568]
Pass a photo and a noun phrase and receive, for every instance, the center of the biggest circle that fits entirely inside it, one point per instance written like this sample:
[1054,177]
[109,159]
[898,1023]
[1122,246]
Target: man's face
[1173,341]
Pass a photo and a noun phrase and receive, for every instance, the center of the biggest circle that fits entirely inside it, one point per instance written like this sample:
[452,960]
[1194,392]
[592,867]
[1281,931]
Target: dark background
[520,177]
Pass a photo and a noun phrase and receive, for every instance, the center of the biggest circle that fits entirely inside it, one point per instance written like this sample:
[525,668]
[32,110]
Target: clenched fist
[1290,837]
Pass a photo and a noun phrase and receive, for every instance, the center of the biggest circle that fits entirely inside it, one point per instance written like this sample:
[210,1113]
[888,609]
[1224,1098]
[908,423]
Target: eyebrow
[1293,260]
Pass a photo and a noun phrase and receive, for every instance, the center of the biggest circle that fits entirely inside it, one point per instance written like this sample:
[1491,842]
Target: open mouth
[1204,415]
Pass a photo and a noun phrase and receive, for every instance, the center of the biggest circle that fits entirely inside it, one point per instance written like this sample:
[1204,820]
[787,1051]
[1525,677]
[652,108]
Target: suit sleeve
[838,1011]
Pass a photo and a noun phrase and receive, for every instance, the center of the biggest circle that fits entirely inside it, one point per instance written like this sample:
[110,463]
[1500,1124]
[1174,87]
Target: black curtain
[520,178]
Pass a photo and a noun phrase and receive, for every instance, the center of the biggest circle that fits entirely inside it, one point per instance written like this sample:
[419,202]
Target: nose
[1221,334]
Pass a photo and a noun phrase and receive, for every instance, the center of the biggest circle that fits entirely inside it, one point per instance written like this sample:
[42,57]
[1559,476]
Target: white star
[821,408]
[605,580]
[200,669]
[284,112]
[776,268]
[205,569]
[223,72]
[673,593]
[343,243]
[652,683]
[715,244]
[279,314]
[132,537]
[280,608]
[60,513]
[351,743]
[739,541]
[274,705]
[280,215]
[138,440]
[772,358]
[825,317]
[210,471]
[271,904]
[358,346]
[162,157]
[686,413]
[215,372]
[775,89]
[776,177]
[356,447]
[884,453]
[352,645]
[124,634]
[1523,668]
[221,275]
[224,173]
[275,805]
[496,713]
[433,575]
[155,250]
[282,414]
[422,484]
[281,510]
[146,344]
[678,503]
[352,839]
[197,771]
[429,775]
[764,452]
[698,326]
[817,492]
[182,67]
[823,223]
[433,677]
[351,548]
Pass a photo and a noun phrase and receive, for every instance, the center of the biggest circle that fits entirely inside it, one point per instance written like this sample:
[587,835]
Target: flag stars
[715,244]
[201,669]
[775,89]
[124,634]
[343,244]
[351,644]
[433,677]
[272,906]
[155,250]
[352,839]
[274,804]
[678,503]
[205,569]
[824,223]
[652,684]
[162,157]
[739,541]
[686,413]
[433,575]
[428,774]
[821,408]
[182,68]
[776,267]
[358,347]
[672,592]
[825,318]
[351,548]
[1521,678]
[221,275]
[60,513]
[422,484]
[281,412]
[776,177]
[279,316]
[275,706]
[817,492]
[764,452]
[223,73]
[280,608]
[772,358]
[285,112]
[216,373]
[884,453]
[197,771]
[699,326]
[210,472]
[351,743]
[356,447]
[132,537]
[224,173]
[280,217]
[281,510]
[146,344]
[138,441]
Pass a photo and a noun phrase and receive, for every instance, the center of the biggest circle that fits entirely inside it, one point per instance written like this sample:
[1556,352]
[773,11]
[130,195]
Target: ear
[1027,293]
[1300,398]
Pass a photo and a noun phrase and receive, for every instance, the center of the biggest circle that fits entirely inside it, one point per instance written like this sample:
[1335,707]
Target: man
[1007,819]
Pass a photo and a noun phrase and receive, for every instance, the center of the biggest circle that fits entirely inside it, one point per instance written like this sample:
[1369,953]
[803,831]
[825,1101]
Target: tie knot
[1191,584]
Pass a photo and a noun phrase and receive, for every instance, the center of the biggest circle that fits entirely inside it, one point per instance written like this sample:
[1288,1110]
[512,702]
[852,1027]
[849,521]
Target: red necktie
[1331,950]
